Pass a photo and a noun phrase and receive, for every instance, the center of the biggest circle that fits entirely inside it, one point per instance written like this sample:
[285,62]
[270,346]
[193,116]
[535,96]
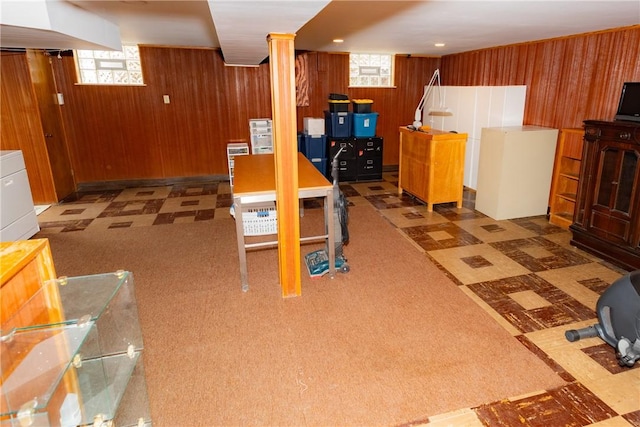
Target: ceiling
[240,27]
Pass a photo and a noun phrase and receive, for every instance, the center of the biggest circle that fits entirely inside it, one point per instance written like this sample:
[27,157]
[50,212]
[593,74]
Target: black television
[629,105]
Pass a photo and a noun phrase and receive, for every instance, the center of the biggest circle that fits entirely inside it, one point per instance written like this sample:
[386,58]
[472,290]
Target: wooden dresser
[607,217]
[432,165]
[25,266]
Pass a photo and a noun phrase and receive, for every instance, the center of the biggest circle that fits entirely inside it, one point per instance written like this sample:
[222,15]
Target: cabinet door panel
[626,190]
[605,185]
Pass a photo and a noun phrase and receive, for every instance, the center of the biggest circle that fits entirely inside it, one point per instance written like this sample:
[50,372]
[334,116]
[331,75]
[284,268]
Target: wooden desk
[432,165]
[254,182]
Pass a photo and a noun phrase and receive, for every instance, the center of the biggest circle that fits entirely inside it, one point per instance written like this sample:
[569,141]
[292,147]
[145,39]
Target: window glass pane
[87,63]
[88,76]
[105,76]
[371,69]
[110,67]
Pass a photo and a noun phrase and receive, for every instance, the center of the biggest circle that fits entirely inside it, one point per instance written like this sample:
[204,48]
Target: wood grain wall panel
[20,125]
[51,120]
[329,73]
[568,79]
[128,133]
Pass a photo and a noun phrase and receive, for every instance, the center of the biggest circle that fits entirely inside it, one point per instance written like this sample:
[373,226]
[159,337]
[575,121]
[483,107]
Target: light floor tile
[462,417]
[502,266]
[567,279]
[145,193]
[489,230]
[65,212]
[412,216]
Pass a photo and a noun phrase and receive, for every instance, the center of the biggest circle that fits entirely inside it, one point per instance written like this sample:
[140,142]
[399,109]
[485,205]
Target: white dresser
[18,220]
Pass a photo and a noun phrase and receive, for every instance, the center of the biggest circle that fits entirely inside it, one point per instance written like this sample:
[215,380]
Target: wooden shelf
[566,177]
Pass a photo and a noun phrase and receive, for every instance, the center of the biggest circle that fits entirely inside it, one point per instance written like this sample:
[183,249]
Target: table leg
[242,252]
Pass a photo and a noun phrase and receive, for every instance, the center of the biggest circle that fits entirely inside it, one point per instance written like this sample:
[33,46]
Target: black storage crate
[338,106]
[362,106]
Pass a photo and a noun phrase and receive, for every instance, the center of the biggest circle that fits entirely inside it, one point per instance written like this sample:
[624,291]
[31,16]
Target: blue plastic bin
[314,147]
[337,124]
[321,165]
[364,124]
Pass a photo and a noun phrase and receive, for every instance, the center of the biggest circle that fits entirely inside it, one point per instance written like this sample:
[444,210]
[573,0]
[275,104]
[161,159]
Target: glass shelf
[108,299]
[34,364]
[90,329]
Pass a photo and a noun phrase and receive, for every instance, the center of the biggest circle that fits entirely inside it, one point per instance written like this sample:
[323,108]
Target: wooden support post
[283,108]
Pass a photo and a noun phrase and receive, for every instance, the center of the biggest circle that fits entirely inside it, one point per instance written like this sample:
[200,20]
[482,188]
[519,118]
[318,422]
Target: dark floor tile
[476,261]
[633,418]
[605,355]
[381,201]
[562,308]
[572,405]
[348,190]
[65,226]
[181,190]
[133,207]
[558,257]
[423,236]
[124,224]
[92,196]
[541,226]
[452,213]
[224,200]
[596,284]
[73,211]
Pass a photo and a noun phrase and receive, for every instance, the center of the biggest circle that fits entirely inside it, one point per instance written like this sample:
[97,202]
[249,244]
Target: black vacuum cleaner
[618,310]
[318,261]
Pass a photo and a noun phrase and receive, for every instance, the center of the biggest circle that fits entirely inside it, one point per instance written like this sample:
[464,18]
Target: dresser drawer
[613,133]
[21,229]
[15,197]
[11,162]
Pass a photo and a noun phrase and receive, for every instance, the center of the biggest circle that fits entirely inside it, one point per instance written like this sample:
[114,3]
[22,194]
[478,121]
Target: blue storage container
[364,125]
[337,124]
[314,147]
[321,165]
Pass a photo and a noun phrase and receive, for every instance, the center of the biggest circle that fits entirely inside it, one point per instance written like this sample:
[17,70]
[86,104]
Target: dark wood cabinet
[607,215]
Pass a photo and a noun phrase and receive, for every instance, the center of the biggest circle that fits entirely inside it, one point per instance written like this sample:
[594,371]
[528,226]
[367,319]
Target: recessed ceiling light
[439,45]
[338,40]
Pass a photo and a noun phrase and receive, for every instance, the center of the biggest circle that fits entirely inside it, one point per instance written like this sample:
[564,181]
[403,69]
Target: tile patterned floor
[523,272]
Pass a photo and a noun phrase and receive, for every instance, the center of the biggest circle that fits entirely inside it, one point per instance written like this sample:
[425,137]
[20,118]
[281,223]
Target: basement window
[370,70]
[108,67]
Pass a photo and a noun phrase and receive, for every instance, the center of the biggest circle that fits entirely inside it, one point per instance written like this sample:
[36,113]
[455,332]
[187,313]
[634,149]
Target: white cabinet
[235,149]
[515,170]
[18,218]
[474,108]
[261,134]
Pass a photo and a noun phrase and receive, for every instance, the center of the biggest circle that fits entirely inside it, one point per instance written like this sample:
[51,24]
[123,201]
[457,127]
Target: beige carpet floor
[391,342]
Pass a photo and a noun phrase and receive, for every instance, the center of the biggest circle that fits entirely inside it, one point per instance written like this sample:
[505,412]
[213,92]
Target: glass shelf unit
[102,380]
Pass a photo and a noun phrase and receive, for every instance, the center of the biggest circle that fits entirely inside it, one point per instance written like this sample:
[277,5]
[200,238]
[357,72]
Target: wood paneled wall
[568,79]
[21,125]
[128,133]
